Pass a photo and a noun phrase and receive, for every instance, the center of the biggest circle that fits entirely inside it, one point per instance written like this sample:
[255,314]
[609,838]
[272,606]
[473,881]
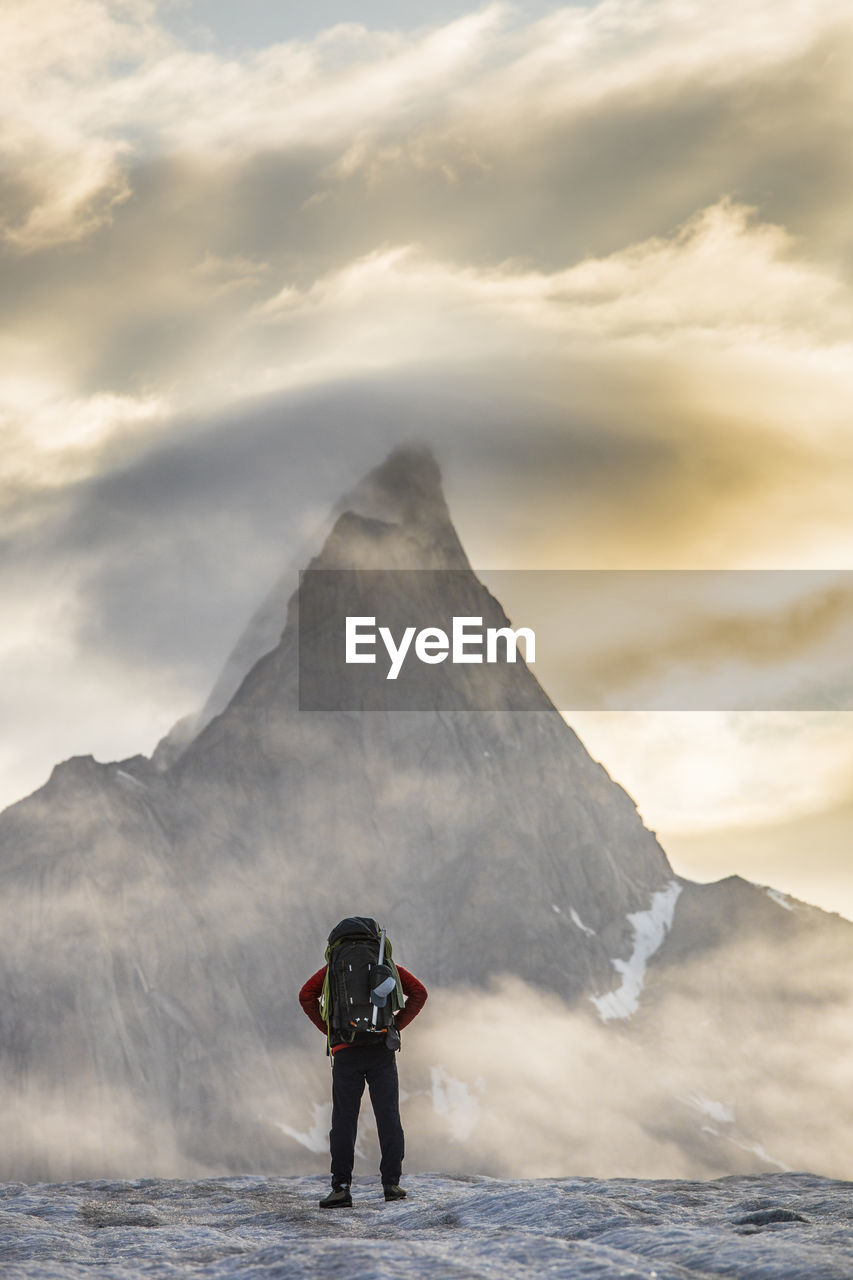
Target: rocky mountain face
[161,915]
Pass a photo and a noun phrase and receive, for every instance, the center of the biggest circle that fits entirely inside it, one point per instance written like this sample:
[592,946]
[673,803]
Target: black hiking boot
[338,1198]
[392,1191]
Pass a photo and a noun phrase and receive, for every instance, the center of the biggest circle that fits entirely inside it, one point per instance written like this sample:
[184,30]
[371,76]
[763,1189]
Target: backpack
[353,972]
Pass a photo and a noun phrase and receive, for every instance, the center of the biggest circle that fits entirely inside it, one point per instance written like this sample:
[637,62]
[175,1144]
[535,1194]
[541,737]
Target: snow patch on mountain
[650,928]
[129,780]
[756,1149]
[452,1099]
[315,1138]
[575,919]
[716,1111]
[580,924]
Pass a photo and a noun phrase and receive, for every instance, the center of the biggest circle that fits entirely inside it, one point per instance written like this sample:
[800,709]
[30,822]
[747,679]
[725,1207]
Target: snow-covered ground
[769,1227]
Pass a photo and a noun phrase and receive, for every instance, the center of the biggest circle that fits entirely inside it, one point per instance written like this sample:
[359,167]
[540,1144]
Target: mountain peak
[409,480]
[396,517]
[404,489]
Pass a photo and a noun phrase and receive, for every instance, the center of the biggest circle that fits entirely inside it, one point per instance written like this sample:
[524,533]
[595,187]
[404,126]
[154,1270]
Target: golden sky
[600,256]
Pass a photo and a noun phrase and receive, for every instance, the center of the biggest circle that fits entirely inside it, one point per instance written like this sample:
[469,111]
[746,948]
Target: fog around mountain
[591,1012]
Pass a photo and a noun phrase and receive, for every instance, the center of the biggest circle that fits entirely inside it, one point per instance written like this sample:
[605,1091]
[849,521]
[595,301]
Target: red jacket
[414,991]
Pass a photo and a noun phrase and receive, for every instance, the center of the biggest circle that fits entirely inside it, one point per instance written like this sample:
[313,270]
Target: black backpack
[354,975]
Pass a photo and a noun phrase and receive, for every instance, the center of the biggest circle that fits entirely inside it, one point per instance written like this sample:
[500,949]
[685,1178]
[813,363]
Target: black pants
[351,1068]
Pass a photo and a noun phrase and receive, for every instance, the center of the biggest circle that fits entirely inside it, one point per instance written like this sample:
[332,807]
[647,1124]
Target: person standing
[362,1049]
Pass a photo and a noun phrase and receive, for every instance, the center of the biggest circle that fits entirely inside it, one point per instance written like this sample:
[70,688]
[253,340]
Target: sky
[599,256]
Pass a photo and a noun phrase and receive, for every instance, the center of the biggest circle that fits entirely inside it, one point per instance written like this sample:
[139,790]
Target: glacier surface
[767,1227]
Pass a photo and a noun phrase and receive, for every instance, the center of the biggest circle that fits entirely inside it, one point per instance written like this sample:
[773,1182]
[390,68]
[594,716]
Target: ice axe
[379,995]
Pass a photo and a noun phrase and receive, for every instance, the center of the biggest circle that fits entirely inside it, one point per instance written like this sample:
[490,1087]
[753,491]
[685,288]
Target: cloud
[54,682]
[714,772]
[771,852]
[598,260]
[710,1076]
[759,343]
[724,294]
[67,168]
[79,109]
[453,191]
[100,1130]
[512,1083]
[229,328]
[456,103]
[689,641]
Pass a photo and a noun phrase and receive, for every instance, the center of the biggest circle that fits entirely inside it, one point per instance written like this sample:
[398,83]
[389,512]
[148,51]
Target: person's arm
[309,998]
[416,997]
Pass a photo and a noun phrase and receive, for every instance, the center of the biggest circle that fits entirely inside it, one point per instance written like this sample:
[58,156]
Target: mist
[513,1082]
